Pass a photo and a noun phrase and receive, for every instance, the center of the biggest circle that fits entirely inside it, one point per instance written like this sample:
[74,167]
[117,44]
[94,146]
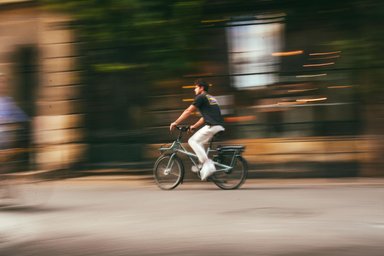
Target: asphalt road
[128,217]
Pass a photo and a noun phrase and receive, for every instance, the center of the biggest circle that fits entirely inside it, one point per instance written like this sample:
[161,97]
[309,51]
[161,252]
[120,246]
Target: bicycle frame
[169,168]
[177,147]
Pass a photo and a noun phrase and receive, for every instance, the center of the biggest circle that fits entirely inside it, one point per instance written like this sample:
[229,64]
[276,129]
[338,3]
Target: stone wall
[57,124]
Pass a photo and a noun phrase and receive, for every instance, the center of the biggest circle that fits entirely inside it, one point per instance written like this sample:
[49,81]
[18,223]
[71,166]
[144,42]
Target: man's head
[201,86]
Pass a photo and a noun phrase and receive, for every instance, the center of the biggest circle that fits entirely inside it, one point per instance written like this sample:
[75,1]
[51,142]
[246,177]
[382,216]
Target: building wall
[57,120]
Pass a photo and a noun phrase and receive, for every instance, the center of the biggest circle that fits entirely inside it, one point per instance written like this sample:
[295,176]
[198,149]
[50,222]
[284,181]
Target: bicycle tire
[235,177]
[171,179]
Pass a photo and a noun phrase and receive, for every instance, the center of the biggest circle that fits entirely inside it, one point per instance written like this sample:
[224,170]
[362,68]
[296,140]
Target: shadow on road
[13,208]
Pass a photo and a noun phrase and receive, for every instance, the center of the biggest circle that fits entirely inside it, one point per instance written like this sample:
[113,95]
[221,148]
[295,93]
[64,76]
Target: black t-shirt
[209,109]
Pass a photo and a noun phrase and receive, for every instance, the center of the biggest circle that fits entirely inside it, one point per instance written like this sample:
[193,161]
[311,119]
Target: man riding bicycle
[212,121]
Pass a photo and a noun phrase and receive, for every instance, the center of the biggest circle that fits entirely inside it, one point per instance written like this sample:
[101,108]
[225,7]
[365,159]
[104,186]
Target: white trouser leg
[202,137]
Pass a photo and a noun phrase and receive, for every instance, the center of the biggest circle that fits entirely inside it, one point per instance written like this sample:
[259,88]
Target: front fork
[168,169]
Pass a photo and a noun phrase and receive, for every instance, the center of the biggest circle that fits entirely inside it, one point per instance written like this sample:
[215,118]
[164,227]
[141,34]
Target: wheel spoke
[168,178]
[232,179]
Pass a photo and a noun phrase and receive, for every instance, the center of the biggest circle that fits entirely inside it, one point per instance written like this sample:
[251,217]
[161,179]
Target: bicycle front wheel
[235,177]
[168,172]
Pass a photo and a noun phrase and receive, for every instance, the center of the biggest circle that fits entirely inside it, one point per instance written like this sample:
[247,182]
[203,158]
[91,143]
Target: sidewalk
[142,172]
[146,179]
[289,170]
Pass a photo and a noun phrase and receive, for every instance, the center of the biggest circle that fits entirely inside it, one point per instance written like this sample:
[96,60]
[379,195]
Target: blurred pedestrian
[212,121]
[11,117]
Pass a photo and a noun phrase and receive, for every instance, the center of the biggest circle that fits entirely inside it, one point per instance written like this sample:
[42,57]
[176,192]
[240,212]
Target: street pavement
[129,215]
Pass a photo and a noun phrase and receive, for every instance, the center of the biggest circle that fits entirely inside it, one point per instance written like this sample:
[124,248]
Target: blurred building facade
[38,56]
[294,83]
[285,87]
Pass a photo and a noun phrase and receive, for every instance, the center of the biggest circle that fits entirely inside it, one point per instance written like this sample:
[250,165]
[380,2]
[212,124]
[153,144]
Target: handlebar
[183,128]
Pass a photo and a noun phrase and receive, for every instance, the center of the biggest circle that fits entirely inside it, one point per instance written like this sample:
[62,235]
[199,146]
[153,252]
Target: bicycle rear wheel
[171,177]
[235,177]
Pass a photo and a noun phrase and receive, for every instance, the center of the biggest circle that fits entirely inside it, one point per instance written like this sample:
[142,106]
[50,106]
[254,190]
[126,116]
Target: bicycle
[21,184]
[232,168]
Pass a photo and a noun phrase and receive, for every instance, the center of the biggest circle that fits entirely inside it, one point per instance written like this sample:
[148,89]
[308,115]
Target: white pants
[202,137]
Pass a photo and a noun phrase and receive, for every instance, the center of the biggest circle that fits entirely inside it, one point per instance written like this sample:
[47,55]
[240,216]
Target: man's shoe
[207,170]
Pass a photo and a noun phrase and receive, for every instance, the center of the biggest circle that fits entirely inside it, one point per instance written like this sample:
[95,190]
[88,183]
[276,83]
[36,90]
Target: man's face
[198,89]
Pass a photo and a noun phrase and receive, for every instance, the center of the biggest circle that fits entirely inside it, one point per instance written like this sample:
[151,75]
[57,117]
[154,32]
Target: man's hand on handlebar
[191,129]
[172,126]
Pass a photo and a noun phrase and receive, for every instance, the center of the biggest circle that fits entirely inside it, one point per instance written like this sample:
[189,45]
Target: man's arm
[190,110]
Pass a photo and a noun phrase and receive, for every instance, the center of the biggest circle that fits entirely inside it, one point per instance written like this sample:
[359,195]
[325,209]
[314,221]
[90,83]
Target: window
[250,53]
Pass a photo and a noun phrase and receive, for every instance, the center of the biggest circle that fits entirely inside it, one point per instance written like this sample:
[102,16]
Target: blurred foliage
[122,35]
[363,49]
[159,38]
